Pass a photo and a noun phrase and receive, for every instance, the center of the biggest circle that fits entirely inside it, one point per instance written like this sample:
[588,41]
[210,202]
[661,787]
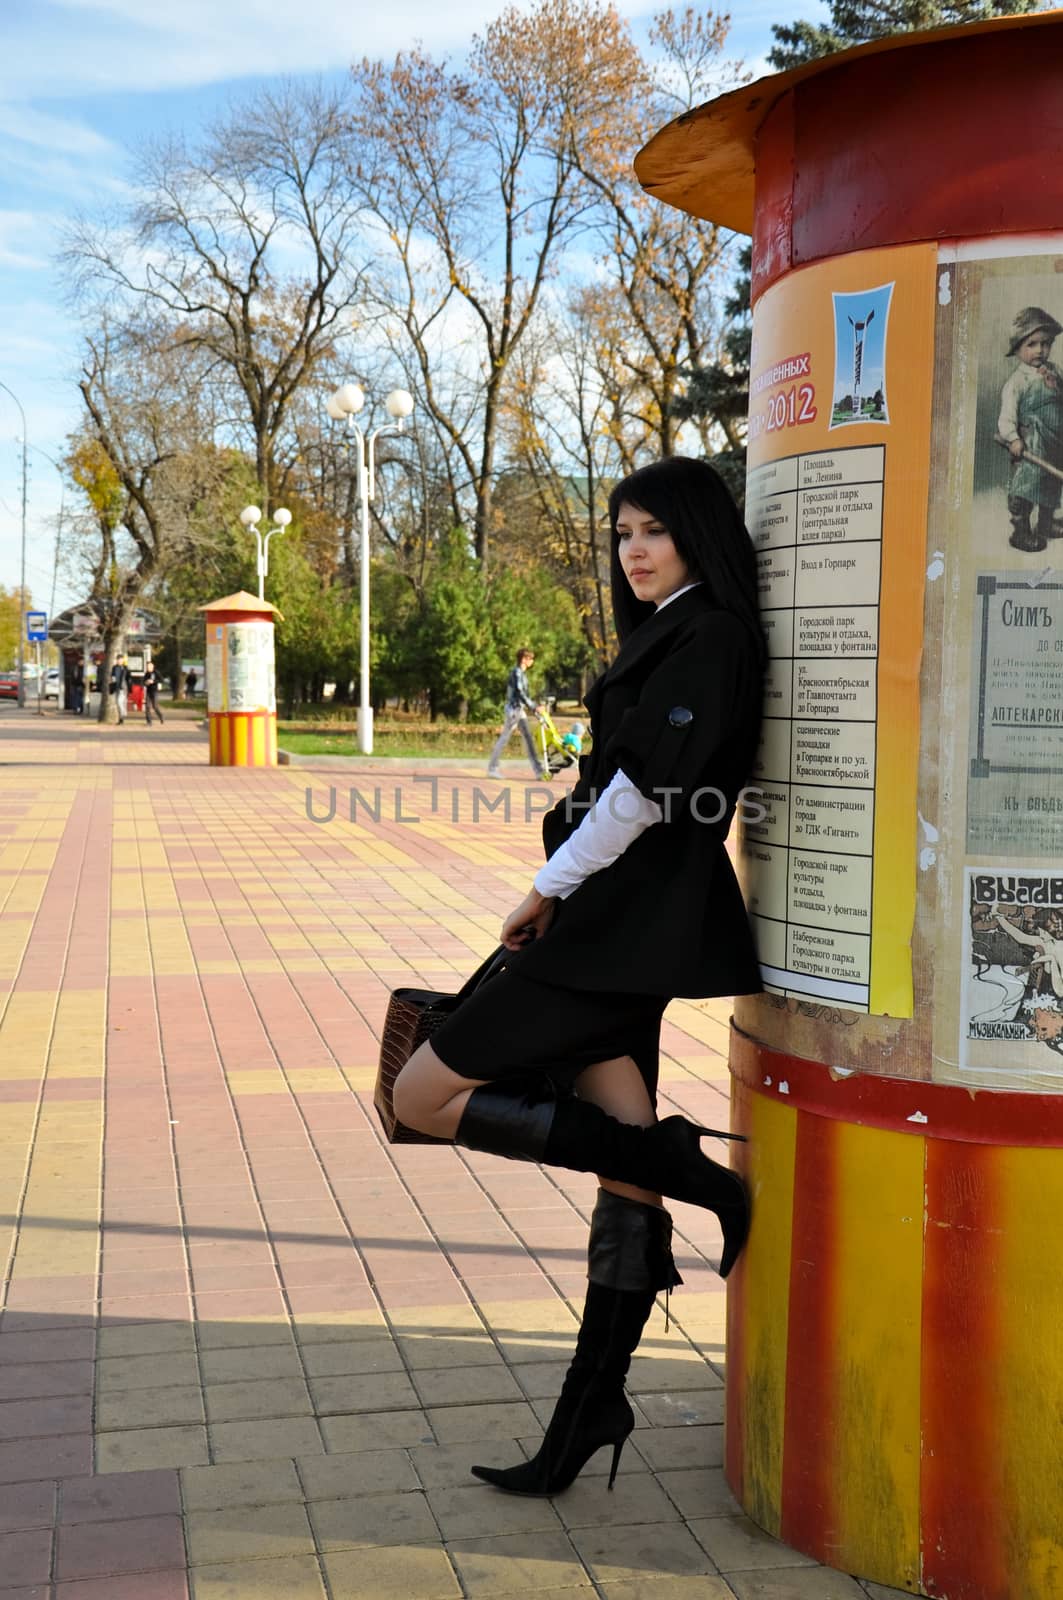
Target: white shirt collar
[677,592]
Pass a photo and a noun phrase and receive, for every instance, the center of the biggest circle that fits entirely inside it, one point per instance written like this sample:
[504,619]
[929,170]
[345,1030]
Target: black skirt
[514,1025]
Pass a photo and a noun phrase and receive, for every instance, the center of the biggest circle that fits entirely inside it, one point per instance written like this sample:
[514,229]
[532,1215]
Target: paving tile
[290,1578]
[365,1472]
[242,1483]
[700,1492]
[350,1357]
[245,1365]
[142,1449]
[117,1494]
[443,1466]
[96,1549]
[372,1520]
[655,1587]
[68,1456]
[246,1533]
[26,1505]
[800,1583]
[634,1498]
[243,1333]
[30,1380]
[449,1350]
[505,1420]
[380,1431]
[613,1554]
[35,1419]
[386,1391]
[422,1572]
[25,1558]
[736,1544]
[258,1398]
[149,1408]
[454,1386]
[151,1371]
[56,1344]
[666,1449]
[264,1440]
[474,1511]
[171,1585]
[881,1591]
[146,1339]
[517,1563]
[686,1409]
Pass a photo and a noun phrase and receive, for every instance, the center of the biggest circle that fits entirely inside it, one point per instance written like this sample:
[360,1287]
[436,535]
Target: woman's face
[652,564]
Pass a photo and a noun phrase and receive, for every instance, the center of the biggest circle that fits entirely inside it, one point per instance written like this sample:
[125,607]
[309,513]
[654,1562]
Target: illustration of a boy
[1031,425]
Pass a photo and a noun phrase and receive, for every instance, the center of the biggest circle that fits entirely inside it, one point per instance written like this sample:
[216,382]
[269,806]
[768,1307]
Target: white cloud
[49,132]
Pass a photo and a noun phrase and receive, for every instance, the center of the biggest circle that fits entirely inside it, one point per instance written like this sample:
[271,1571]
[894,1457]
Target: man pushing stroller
[518,703]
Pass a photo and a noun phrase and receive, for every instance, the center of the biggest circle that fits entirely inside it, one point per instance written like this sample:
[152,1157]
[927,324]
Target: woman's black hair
[691,500]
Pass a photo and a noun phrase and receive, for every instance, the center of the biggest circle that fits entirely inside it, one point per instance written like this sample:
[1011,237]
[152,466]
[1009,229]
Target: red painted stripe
[808,1513]
[735,1415]
[944,1111]
[964,1538]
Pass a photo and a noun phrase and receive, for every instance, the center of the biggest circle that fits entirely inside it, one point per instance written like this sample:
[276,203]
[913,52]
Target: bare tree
[476,201]
[147,475]
[247,248]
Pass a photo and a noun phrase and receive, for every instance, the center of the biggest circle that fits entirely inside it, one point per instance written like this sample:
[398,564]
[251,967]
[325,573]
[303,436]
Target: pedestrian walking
[121,682]
[151,690]
[518,703]
[636,905]
[190,682]
[77,686]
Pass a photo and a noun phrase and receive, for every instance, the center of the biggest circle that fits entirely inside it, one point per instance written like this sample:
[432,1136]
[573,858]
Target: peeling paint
[945,289]
[918,1116]
[784,1087]
[937,565]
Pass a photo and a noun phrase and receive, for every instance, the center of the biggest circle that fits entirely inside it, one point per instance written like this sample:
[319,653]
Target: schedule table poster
[836,501]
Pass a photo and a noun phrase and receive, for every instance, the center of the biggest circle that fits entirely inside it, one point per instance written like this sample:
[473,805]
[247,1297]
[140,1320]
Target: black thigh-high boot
[524,1122]
[629,1258]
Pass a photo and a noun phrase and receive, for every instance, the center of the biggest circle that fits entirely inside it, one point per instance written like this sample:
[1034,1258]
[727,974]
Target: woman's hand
[530,920]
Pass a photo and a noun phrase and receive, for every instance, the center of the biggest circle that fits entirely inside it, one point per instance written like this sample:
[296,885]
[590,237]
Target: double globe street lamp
[251,516]
[343,406]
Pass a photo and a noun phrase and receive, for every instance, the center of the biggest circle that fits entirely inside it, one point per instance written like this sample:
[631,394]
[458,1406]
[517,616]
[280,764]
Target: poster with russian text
[836,506]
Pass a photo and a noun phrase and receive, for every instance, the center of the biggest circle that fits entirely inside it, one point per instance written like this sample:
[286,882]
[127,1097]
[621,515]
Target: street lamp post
[251,516]
[348,399]
[22,571]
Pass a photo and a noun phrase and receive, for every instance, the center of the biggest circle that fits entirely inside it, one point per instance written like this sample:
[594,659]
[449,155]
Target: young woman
[637,904]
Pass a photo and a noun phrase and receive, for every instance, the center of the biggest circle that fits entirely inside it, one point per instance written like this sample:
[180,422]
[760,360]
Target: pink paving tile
[59,1344]
[67,1456]
[217,1305]
[92,1549]
[27,1505]
[116,1495]
[30,1380]
[147,1308]
[44,1293]
[172,1585]
[33,1419]
[25,1558]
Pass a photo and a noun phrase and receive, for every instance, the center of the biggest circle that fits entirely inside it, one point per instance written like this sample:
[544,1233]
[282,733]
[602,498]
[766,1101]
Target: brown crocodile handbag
[413,1016]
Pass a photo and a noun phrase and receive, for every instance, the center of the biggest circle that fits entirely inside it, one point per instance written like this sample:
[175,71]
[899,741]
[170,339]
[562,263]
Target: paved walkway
[247,1350]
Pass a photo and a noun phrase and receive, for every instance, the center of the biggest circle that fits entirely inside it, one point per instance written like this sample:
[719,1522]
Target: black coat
[678,709]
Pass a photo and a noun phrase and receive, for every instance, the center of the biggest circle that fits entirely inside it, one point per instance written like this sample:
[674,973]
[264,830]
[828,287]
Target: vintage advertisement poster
[999,439]
[240,667]
[836,506]
[1015,778]
[1013,962]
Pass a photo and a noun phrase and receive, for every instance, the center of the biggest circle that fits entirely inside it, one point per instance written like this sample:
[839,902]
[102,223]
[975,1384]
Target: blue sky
[81,83]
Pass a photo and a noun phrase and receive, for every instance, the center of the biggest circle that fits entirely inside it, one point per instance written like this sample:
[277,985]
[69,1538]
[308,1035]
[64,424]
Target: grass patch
[386,743]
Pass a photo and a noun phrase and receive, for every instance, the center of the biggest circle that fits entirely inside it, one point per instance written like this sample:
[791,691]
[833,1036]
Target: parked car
[50,689]
[8,685]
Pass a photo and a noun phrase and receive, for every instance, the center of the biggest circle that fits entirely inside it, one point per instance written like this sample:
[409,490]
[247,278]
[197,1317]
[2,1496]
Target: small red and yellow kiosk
[241,681]
[895,1326]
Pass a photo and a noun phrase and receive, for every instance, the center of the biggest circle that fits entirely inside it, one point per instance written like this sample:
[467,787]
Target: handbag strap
[487,969]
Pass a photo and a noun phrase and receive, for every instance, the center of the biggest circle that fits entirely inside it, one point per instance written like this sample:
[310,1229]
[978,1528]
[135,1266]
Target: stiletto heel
[618,1446]
[718,1133]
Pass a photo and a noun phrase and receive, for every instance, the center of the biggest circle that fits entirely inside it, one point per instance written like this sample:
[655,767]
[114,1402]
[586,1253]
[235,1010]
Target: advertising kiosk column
[895,1327]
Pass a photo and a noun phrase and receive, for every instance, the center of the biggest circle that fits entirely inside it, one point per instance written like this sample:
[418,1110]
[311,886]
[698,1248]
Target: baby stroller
[558,750]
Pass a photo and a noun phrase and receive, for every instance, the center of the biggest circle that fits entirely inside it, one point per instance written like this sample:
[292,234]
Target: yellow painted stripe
[878,1287]
[772,1131]
[1028,1381]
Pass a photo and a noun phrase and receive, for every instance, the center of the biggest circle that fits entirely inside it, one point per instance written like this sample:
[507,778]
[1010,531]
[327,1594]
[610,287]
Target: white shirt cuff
[609,828]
